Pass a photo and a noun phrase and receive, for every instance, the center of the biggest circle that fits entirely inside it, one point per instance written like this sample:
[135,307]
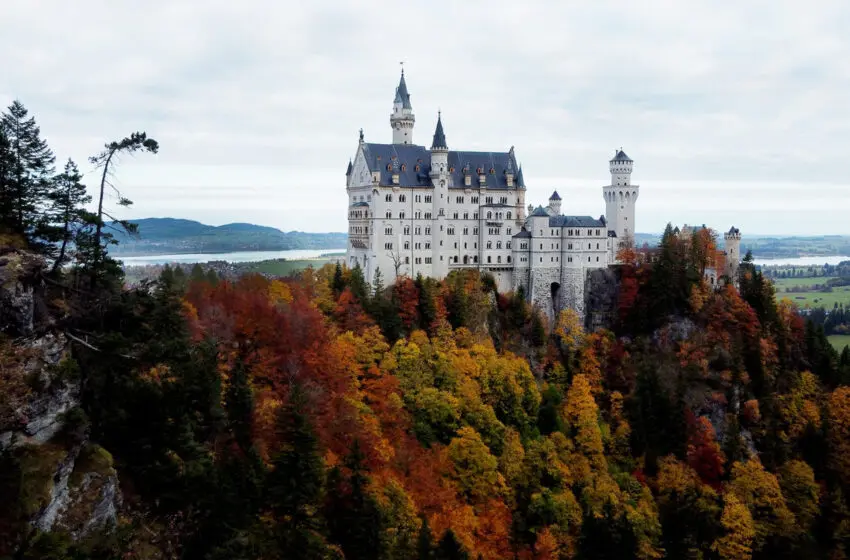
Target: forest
[319,417]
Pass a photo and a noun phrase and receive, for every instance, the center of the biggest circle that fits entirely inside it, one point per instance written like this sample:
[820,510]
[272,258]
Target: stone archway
[555,292]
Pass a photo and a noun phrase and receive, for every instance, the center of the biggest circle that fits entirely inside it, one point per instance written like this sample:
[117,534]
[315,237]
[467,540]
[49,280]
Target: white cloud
[734,112]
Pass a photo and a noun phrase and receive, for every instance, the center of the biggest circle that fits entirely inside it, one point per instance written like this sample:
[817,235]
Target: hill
[173,235]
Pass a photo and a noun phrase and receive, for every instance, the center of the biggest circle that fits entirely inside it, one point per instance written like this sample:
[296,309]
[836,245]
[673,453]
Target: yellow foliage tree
[759,490]
[738,531]
[582,414]
[570,330]
[476,470]
[838,417]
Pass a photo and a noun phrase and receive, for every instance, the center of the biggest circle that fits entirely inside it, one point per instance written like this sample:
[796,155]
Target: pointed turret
[402,119]
[350,168]
[401,95]
[520,181]
[439,142]
[555,203]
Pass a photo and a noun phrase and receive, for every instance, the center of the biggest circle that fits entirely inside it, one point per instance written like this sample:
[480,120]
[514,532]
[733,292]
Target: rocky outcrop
[19,277]
[65,482]
[601,293]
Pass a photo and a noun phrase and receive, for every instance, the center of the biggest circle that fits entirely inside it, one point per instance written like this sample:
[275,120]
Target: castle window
[499,259]
[498,244]
[597,245]
[489,215]
[474,200]
[451,169]
[508,230]
[597,259]
[489,259]
[475,260]
[503,200]
[407,244]
[475,215]
[389,215]
[509,258]
[427,198]
[388,231]
[401,215]
[389,166]
[488,200]
[416,168]
[427,231]
[388,198]
[492,171]
[428,246]
[401,197]
[597,232]
[489,244]
[508,245]
[455,259]
[418,231]
[427,215]
[406,260]
[388,246]
[455,215]
[588,246]
[466,231]
[475,231]
[588,259]
[509,215]
[451,231]
[541,246]
[407,230]
[590,232]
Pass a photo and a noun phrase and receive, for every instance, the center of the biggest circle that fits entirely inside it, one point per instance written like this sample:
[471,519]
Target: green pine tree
[67,213]
[30,171]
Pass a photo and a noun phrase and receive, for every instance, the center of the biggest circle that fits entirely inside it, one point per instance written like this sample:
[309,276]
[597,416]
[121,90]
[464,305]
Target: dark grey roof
[539,212]
[439,135]
[523,233]
[401,95]
[735,231]
[575,221]
[409,156]
[612,233]
[519,179]
[359,204]
[555,196]
[350,167]
[621,156]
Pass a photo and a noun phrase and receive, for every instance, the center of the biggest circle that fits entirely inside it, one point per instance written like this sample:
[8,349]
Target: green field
[283,267]
[839,294]
[782,283]
[839,341]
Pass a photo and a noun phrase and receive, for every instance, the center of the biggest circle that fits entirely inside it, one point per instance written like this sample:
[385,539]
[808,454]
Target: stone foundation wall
[601,294]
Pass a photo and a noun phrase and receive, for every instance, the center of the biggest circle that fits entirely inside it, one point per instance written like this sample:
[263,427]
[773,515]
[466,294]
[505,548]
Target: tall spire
[401,95]
[439,135]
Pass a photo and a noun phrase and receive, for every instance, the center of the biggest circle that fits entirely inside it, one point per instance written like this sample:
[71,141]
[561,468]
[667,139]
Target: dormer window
[416,168]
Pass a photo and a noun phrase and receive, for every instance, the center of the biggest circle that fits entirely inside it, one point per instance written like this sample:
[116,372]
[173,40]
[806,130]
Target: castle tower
[733,253]
[402,119]
[555,203]
[620,197]
[439,179]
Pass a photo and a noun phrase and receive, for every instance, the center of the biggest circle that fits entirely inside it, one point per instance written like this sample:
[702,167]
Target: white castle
[418,211]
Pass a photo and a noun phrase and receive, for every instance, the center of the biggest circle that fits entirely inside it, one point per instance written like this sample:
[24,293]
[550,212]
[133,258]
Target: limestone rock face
[18,279]
[66,482]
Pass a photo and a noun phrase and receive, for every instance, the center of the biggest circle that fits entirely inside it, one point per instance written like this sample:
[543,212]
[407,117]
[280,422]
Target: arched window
[509,258]
[498,244]
[475,260]
[489,215]
[489,244]
[466,259]
[499,259]
[509,215]
[489,259]
[455,259]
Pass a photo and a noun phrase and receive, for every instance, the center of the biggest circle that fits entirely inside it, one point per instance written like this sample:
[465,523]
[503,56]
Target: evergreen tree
[425,541]
[450,548]
[239,405]
[358,286]
[338,282]
[28,178]
[353,515]
[295,485]
[67,213]
[107,161]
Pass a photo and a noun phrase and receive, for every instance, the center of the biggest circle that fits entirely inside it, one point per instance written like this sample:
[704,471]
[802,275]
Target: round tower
[440,180]
[402,119]
[733,252]
[620,197]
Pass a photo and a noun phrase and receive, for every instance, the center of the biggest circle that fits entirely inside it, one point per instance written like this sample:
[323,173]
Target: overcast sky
[734,112]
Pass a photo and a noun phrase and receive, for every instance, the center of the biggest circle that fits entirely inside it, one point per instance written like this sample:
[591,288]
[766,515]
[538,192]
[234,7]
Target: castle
[414,210]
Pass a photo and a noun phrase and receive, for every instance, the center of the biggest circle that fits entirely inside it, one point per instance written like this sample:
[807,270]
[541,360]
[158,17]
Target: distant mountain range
[177,236]
[173,236]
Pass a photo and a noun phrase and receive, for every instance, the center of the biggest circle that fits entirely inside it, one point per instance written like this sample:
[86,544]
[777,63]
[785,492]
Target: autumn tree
[739,533]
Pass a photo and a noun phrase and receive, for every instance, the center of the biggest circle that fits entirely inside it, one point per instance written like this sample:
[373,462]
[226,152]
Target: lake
[801,261]
[234,257]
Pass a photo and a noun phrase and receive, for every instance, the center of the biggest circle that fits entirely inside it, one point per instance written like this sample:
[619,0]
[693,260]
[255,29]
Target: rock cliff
[65,481]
